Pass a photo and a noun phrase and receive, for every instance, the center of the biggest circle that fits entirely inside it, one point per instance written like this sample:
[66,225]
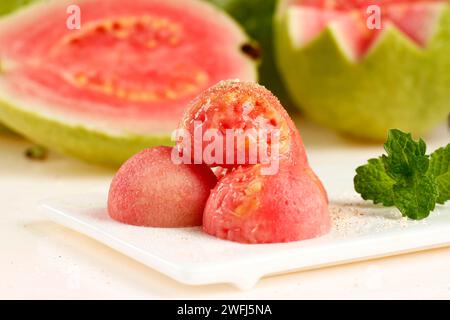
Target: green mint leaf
[440,169]
[406,157]
[416,197]
[415,192]
[406,177]
[373,183]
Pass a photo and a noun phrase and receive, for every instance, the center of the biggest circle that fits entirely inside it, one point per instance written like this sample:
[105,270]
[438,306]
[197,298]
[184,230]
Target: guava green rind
[4,129]
[8,6]
[256,17]
[83,143]
[396,85]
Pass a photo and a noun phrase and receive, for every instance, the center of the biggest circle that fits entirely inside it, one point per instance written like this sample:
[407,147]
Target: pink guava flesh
[248,208]
[132,66]
[244,108]
[150,190]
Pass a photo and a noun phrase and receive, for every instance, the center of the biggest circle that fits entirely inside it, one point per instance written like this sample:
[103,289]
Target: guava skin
[246,205]
[3,129]
[397,84]
[150,190]
[89,145]
[9,6]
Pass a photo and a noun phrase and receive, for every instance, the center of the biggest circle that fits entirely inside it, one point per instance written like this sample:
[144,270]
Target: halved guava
[362,73]
[118,84]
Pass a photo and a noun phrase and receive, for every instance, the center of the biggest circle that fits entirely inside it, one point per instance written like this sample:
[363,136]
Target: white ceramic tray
[361,231]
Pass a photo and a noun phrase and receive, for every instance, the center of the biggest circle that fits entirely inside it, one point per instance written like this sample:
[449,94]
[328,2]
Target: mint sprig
[406,177]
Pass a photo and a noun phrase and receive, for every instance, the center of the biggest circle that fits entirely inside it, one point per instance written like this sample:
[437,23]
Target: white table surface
[40,259]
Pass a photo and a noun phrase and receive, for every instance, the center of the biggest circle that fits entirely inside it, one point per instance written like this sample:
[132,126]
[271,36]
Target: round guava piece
[363,67]
[150,190]
[248,207]
[119,83]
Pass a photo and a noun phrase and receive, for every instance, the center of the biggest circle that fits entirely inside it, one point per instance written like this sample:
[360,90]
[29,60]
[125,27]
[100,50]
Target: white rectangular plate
[361,231]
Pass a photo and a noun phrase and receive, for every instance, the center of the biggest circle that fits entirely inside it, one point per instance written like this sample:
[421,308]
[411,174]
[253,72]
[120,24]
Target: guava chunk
[150,190]
[243,115]
[249,208]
